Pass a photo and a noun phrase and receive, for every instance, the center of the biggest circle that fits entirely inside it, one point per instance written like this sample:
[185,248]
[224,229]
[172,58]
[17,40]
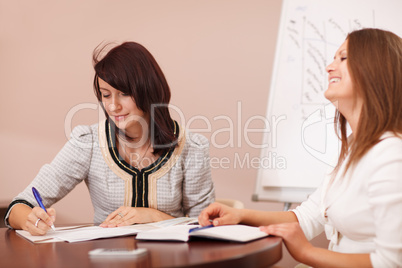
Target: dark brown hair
[132,69]
[375,67]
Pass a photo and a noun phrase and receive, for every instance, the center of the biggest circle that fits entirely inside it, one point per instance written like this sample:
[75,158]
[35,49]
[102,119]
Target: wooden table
[16,251]
[3,208]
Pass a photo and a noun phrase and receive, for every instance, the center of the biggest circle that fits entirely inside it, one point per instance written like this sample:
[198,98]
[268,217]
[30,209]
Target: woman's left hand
[124,216]
[293,236]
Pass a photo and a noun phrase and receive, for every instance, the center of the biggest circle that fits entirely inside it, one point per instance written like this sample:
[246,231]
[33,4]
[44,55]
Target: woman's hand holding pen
[124,216]
[39,222]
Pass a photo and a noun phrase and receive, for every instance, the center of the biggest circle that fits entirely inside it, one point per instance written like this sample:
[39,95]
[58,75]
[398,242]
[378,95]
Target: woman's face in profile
[340,87]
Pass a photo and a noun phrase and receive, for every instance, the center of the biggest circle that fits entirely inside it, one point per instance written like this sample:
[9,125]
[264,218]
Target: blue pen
[200,228]
[39,200]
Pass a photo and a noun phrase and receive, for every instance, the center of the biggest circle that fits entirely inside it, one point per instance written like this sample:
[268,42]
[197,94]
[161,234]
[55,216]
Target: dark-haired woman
[139,164]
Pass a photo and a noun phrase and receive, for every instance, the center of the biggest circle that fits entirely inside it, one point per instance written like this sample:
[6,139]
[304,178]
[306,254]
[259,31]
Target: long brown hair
[132,69]
[375,67]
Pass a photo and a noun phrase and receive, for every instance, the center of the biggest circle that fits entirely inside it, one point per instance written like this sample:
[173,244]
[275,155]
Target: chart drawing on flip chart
[303,143]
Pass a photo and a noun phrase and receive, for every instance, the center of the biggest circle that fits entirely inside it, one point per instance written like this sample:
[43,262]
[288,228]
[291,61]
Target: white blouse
[361,211]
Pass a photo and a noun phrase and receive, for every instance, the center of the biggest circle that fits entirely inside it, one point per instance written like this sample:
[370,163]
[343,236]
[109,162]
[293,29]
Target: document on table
[96,232]
[235,233]
[85,232]
[50,236]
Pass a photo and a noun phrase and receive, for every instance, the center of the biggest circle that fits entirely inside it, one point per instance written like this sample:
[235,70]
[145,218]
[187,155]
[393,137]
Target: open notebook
[236,233]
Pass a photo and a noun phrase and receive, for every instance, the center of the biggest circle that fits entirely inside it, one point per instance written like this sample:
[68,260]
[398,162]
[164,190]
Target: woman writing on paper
[359,203]
[139,164]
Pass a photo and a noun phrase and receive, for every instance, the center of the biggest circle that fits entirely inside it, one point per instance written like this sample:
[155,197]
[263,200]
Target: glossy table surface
[16,251]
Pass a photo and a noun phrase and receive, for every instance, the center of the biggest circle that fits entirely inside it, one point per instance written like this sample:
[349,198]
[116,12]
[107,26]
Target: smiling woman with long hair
[359,203]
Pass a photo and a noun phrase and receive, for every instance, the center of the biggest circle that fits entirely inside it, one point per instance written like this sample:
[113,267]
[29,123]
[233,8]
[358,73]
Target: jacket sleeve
[198,188]
[68,168]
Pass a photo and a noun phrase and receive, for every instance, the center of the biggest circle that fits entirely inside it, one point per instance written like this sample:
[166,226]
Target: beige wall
[216,54]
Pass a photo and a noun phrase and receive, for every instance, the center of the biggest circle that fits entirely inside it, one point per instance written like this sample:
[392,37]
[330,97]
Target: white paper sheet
[85,232]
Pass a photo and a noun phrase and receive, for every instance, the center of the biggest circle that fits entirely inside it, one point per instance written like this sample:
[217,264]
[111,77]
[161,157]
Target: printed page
[96,232]
[176,221]
[84,233]
[238,233]
[50,237]
[169,233]
[89,232]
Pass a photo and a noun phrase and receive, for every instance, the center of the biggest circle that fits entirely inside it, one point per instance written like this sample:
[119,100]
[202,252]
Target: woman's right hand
[38,221]
[219,214]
